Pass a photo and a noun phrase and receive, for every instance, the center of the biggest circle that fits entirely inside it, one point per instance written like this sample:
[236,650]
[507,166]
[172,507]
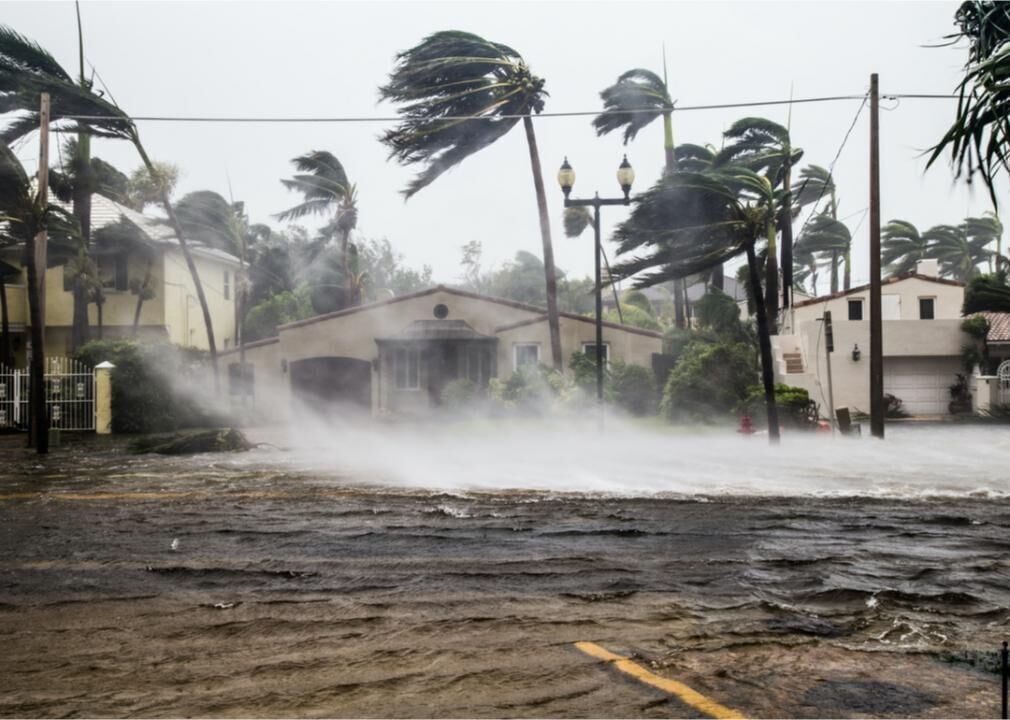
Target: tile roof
[999,327]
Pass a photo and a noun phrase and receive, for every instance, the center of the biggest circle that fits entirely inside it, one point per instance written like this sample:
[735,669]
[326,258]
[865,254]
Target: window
[478,365]
[590,350]
[407,369]
[227,286]
[113,271]
[856,309]
[927,310]
[525,355]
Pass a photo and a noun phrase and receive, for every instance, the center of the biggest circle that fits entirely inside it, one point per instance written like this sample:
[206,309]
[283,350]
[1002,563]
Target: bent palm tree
[958,254]
[979,137]
[689,222]
[826,237]
[459,94]
[637,98]
[323,183]
[765,147]
[987,230]
[27,71]
[902,247]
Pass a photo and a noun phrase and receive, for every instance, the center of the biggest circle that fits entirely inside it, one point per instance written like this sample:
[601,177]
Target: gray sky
[327,59]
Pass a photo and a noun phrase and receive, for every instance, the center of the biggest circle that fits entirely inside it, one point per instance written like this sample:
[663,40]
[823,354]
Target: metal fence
[70,395]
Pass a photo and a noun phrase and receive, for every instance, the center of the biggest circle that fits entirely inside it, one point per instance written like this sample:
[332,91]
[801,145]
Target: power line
[579,113]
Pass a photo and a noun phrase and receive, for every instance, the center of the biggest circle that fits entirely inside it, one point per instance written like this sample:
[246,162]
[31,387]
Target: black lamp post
[625,177]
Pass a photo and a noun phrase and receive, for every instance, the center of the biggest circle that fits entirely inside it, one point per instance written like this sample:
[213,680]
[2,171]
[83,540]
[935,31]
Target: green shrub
[263,318]
[144,382]
[633,388]
[583,367]
[710,381]
[796,409]
[634,316]
[461,393]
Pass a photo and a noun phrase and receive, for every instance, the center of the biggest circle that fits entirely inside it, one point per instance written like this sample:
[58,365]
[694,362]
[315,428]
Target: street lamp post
[625,177]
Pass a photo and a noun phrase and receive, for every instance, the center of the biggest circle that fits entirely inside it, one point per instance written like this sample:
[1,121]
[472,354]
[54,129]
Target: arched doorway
[328,384]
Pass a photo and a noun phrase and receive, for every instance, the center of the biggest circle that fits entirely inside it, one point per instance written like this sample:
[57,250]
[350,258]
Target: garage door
[922,384]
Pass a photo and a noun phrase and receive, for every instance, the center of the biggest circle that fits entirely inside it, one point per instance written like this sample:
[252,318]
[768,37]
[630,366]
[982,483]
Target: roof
[106,212]
[436,330]
[886,281]
[539,313]
[999,327]
[570,316]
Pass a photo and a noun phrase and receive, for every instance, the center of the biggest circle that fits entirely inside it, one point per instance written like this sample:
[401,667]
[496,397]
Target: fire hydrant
[746,426]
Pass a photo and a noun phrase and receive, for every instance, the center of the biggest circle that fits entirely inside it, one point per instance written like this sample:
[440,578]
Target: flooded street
[317,582]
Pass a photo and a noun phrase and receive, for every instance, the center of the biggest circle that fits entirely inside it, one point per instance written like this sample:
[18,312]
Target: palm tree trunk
[717,278]
[140,298]
[847,279]
[772,277]
[345,271]
[545,234]
[678,304]
[787,235]
[671,159]
[834,271]
[765,343]
[5,327]
[39,432]
[100,306]
[177,227]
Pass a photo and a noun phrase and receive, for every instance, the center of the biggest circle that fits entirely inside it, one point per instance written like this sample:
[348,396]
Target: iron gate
[70,395]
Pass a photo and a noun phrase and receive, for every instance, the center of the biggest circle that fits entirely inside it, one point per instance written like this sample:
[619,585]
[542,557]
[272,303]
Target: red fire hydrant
[746,426]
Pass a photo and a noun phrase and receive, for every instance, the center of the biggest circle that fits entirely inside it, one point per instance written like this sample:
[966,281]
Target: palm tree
[637,98]
[824,236]
[902,247]
[765,147]
[689,222]
[813,185]
[27,71]
[323,183]
[987,230]
[958,254]
[443,82]
[980,133]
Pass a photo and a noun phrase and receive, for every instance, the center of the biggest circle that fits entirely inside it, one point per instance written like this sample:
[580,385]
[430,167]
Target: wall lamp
[856,353]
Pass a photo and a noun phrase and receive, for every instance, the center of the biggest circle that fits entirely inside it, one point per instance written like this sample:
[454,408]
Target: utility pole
[876,335]
[39,428]
[829,346]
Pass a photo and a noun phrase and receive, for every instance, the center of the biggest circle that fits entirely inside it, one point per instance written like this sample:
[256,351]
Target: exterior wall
[183,316]
[272,381]
[622,345]
[937,342]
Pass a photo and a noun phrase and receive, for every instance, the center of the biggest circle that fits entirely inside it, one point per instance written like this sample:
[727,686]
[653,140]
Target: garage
[328,384]
[922,384]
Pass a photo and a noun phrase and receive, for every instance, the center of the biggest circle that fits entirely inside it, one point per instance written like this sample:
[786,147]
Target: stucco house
[152,251]
[397,355]
[922,341]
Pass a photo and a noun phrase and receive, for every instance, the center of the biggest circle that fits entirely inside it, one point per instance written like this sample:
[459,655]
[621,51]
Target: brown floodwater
[262,585]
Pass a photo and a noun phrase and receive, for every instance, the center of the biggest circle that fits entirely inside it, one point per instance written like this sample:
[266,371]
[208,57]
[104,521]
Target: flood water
[411,572]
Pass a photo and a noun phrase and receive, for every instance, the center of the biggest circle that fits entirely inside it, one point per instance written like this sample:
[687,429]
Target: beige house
[922,341]
[397,355]
[153,252]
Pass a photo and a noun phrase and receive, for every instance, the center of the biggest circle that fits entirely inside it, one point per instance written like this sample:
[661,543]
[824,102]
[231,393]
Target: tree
[987,293]
[979,136]
[765,147]
[325,189]
[958,254]
[813,185]
[824,236]
[637,98]
[146,187]
[443,82]
[902,247]
[27,71]
[689,222]
[985,231]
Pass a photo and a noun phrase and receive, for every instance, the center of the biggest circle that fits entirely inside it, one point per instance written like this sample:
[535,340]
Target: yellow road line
[691,697]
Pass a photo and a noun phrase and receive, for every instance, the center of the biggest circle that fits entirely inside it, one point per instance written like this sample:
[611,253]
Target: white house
[922,341]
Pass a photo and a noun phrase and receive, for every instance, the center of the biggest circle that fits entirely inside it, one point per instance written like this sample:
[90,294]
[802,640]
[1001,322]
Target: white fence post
[103,398]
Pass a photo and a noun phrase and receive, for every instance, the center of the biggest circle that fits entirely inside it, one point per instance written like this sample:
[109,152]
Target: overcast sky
[326,59]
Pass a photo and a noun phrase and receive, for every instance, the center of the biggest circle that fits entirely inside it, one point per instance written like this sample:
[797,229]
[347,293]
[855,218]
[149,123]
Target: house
[142,247]
[922,341]
[397,355]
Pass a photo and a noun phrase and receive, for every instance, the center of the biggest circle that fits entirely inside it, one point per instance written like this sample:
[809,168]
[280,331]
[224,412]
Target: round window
[441,311]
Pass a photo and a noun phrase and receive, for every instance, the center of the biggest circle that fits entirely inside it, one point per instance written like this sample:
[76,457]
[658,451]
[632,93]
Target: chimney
[929,268]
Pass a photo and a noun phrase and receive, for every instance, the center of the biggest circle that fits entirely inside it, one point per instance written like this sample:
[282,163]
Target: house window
[525,355]
[227,286]
[113,272]
[927,310]
[856,309]
[590,350]
[407,369]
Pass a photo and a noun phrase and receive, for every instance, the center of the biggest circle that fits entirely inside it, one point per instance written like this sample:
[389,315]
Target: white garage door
[922,384]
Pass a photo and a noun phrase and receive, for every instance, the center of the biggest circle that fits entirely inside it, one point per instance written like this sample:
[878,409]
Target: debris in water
[191,443]
[175,544]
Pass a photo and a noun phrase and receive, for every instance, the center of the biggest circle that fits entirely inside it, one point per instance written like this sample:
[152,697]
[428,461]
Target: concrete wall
[272,379]
[622,345]
[904,295]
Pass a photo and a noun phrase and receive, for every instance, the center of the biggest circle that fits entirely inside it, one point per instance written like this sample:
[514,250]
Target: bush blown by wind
[709,382]
[143,396]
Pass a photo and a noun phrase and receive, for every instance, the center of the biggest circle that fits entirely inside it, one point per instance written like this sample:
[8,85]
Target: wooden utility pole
[876,334]
[39,427]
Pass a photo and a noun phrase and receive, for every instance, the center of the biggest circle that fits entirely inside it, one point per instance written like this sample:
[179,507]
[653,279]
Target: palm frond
[637,98]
